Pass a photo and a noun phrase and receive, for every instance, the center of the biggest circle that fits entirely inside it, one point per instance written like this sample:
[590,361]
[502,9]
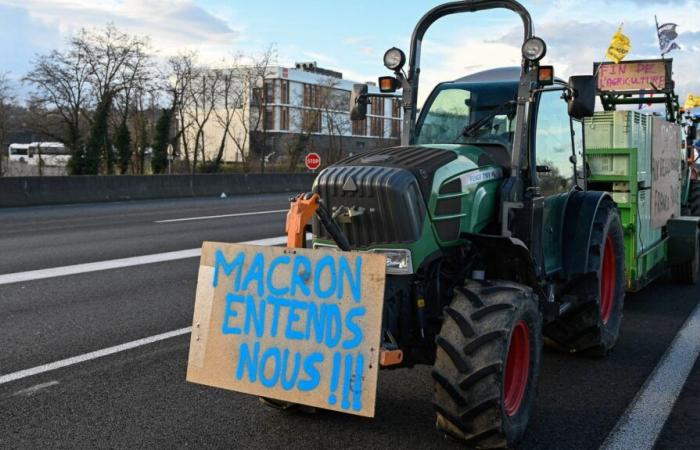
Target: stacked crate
[618,157]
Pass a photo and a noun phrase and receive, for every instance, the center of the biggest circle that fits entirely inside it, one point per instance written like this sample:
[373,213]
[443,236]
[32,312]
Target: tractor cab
[480,110]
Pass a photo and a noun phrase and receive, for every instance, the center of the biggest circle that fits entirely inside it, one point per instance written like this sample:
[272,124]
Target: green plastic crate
[620,129]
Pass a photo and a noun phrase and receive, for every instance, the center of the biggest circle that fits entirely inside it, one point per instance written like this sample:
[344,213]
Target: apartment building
[298,110]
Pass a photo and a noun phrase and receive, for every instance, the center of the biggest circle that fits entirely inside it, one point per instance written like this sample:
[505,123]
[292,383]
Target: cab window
[447,116]
[553,144]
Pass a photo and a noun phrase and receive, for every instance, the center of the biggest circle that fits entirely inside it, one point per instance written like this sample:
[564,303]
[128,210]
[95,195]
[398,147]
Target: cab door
[555,159]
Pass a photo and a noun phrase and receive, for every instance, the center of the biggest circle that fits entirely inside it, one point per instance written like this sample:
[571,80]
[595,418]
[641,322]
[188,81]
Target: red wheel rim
[517,369]
[607,281]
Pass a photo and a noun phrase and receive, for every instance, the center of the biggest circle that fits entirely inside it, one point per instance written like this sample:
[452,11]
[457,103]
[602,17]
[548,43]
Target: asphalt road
[139,398]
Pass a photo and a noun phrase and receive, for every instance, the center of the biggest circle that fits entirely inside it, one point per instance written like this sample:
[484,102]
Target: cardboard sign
[297,325]
[633,76]
[666,162]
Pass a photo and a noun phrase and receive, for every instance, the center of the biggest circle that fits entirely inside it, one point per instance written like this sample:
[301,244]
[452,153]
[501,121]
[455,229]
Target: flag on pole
[692,101]
[619,46]
[667,37]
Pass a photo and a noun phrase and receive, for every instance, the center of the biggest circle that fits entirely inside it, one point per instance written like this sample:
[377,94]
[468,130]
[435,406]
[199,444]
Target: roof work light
[394,59]
[534,49]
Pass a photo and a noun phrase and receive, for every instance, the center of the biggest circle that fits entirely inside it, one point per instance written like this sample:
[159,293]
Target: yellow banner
[692,101]
[619,47]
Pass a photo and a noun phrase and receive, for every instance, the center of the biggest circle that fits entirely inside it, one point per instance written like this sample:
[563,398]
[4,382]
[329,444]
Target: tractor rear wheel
[487,364]
[688,273]
[693,207]
[593,324]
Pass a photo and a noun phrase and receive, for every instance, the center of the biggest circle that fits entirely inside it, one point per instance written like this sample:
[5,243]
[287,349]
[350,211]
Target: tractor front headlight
[398,261]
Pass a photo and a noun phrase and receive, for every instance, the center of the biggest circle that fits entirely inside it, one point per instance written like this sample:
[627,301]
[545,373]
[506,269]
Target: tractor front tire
[487,364]
[592,325]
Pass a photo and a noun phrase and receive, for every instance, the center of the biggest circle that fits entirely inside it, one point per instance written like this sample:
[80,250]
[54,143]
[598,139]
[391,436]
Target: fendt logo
[312,161]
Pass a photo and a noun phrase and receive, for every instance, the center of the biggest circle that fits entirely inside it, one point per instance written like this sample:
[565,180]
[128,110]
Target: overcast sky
[352,36]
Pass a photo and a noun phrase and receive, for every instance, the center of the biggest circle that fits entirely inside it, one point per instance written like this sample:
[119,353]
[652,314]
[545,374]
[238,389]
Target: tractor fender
[511,259]
[580,213]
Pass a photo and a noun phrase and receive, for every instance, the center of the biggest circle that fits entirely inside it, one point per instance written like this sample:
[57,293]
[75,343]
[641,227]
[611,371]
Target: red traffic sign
[312,161]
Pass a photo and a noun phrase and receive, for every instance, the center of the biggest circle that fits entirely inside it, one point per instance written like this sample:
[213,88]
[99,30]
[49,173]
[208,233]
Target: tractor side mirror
[358,102]
[582,99]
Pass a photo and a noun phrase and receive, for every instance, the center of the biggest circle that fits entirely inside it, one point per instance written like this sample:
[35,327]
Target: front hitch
[301,210]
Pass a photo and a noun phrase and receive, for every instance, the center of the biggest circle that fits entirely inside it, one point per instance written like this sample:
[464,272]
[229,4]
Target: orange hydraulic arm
[301,211]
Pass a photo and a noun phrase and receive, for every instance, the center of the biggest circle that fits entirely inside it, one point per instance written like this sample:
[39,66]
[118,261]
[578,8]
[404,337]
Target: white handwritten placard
[632,76]
[297,325]
[666,160]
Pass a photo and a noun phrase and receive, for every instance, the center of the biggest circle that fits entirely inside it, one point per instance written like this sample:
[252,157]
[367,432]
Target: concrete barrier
[25,191]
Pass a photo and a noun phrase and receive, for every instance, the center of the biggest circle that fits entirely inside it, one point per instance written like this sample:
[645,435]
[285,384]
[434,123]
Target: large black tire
[487,364]
[693,206]
[688,273]
[592,325]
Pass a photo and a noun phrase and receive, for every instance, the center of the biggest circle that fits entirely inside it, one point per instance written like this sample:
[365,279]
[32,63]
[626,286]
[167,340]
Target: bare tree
[257,72]
[117,63]
[234,113]
[204,94]
[61,96]
[7,102]
[230,100]
[334,104]
[181,72]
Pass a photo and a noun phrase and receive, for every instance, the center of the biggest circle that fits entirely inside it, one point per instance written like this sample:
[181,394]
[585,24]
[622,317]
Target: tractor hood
[403,195]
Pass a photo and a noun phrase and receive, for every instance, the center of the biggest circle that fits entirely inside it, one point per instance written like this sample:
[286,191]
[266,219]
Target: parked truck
[511,212]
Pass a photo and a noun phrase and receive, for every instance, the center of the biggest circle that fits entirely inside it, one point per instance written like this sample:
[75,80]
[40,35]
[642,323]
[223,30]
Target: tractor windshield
[487,110]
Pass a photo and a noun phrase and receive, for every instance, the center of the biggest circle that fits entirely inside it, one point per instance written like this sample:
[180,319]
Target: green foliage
[98,145]
[159,163]
[122,141]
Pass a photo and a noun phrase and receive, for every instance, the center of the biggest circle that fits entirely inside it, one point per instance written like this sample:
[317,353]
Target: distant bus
[50,153]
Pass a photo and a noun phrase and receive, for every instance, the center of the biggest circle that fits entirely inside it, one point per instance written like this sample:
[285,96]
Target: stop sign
[312,161]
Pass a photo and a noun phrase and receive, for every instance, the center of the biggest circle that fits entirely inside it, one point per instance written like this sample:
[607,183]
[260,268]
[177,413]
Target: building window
[257,97]
[284,92]
[395,128]
[312,121]
[269,118]
[310,96]
[395,108]
[359,127]
[377,127]
[340,100]
[284,118]
[378,107]
[269,92]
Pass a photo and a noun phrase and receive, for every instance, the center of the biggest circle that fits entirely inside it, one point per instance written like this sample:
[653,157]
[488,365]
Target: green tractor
[493,235]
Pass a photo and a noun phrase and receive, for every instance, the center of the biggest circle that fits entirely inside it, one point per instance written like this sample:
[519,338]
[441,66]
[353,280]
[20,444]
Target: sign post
[296,325]
[170,158]
[312,161]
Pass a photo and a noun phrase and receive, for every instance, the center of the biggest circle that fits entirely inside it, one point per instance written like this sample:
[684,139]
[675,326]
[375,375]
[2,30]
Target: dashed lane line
[105,265]
[90,356]
[640,425]
[76,269]
[222,216]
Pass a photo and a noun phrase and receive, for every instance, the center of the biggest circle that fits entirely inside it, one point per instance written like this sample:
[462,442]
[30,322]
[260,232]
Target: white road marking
[640,425]
[90,267]
[221,216]
[40,274]
[34,389]
[92,355]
